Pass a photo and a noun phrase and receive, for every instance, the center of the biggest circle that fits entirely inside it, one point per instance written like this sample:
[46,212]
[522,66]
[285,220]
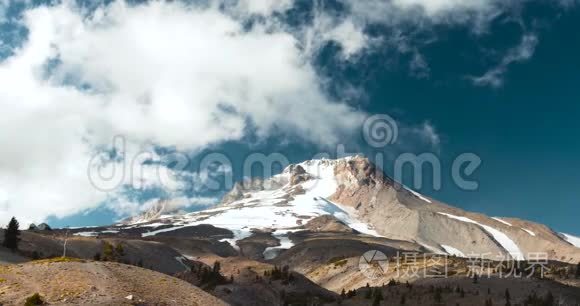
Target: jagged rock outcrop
[40,227]
[298,175]
[239,190]
[237,193]
[43,227]
[153,212]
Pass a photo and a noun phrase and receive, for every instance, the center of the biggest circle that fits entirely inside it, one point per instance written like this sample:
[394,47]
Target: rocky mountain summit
[364,199]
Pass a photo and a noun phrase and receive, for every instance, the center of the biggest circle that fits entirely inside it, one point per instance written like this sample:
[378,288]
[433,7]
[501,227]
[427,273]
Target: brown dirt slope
[77,282]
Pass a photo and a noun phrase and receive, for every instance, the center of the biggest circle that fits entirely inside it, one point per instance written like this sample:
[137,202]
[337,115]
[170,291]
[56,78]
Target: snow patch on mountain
[529,232]
[239,234]
[509,245]
[433,249]
[86,234]
[418,195]
[573,240]
[452,251]
[155,224]
[502,221]
[272,252]
[348,216]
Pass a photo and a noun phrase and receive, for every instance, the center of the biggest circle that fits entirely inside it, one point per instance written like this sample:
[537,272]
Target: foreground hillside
[324,261]
[76,282]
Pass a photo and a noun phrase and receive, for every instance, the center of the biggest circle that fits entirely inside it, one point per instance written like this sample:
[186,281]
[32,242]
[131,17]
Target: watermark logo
[373,264]
[118,166]
[380,130]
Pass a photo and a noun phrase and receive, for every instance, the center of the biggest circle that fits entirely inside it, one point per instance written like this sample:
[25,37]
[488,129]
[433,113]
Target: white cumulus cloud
[164,74]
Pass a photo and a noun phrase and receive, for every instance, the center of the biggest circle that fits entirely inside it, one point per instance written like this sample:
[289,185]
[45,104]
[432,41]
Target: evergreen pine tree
[507,298]
[216,267]
[11,234]
[549,300]
[578,270]
[378,297]
[438,298]
[368,294]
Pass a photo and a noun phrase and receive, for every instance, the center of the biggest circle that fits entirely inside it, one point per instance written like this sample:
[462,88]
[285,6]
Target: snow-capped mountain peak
[279,204]
[356,193]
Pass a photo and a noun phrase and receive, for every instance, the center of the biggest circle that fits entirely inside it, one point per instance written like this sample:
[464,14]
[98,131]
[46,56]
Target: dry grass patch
[4,269]
[58,259]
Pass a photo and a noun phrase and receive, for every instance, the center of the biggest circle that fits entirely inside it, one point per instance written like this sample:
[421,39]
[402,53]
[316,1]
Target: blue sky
[296,77]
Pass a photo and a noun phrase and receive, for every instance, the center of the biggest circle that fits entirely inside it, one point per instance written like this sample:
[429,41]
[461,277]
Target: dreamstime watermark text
[116,167]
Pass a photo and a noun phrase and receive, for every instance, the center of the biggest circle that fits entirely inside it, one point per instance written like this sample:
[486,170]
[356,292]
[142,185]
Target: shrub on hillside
[34,299]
